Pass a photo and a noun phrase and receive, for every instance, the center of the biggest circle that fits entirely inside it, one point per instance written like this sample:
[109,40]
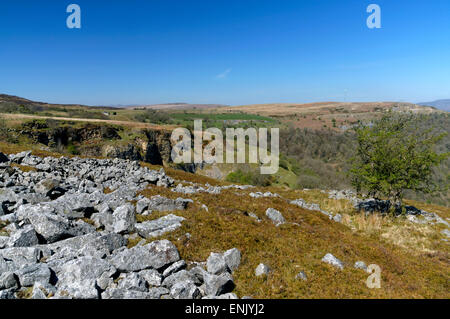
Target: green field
[220,117]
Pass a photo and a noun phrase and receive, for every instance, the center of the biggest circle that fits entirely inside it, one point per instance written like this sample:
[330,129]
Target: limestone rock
[160,226]
[156,255]
[232,258]
[77,278]
[24,237]
[37,273]
[124,219]
[152,277]
[185,290]
[262,269]
[360,265]
[275,216]
[216,285]
[301,275]
[330,259]
[216,264]
[175,267]
[8,280]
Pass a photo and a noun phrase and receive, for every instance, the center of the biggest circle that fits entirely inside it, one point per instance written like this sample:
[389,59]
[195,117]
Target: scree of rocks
[62,235]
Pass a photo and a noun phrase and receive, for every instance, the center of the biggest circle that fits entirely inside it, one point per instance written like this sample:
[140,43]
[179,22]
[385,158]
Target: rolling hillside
[439,104]
[316,142]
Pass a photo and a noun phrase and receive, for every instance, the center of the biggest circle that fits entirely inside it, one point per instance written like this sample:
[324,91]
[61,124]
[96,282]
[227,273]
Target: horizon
[445,108]
[231,53]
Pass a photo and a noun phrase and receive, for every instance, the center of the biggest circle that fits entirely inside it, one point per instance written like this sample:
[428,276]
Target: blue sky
[231,52]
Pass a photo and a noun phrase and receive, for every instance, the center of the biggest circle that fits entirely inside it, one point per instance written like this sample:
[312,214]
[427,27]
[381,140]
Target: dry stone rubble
[69,221]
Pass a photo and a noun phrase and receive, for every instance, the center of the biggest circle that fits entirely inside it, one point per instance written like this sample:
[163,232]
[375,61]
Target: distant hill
[338,116]
[177,106]
[440,104]
[13,101]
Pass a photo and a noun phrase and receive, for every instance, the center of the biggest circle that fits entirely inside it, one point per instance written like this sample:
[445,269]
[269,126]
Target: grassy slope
[407,271]
[319,163]
[289,249]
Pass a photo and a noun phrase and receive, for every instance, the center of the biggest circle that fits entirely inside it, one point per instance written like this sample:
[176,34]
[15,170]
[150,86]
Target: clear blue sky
[232,52]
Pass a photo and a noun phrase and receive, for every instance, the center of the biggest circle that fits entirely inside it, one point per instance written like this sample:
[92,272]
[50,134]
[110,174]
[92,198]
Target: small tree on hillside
[395,154]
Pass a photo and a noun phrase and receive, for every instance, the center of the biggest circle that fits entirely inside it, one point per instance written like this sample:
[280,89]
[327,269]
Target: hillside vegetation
[414,257]
[411,250]
[316,140]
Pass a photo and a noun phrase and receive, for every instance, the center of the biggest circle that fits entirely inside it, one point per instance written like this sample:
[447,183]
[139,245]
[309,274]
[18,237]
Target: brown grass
[24,168]
[415,262]
[185,176]
[316,115]
[414,237]
[289,249]
[25,293]
[133,124]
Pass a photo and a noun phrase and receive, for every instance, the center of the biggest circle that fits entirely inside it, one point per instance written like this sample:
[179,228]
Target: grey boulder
[275,216]
[156,255]
[360,265]
[216,285]
[337,218]
[8,280]
[215,264]
[52,227]
[175,267]
[118,293]
[124,219]
[182,275]
[20,256]
[160,226]
[261,270]
[77,278]
[142,205]
[330,259]
[24,237]
[132,281]
[46,185]
[185,290]
[232,258]
[38,273]
[301,275]
[160,203]
[152,277]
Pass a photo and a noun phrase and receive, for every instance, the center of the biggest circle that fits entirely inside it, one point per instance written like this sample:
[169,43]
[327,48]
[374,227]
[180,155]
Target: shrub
[396,154]
[153,116]
[251,177]
[72,149]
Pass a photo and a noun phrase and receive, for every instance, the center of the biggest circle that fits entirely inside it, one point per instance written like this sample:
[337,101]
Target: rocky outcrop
[158,149]
[194,189]
[152,145]
[127,151]
[311,206]
[53,135]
